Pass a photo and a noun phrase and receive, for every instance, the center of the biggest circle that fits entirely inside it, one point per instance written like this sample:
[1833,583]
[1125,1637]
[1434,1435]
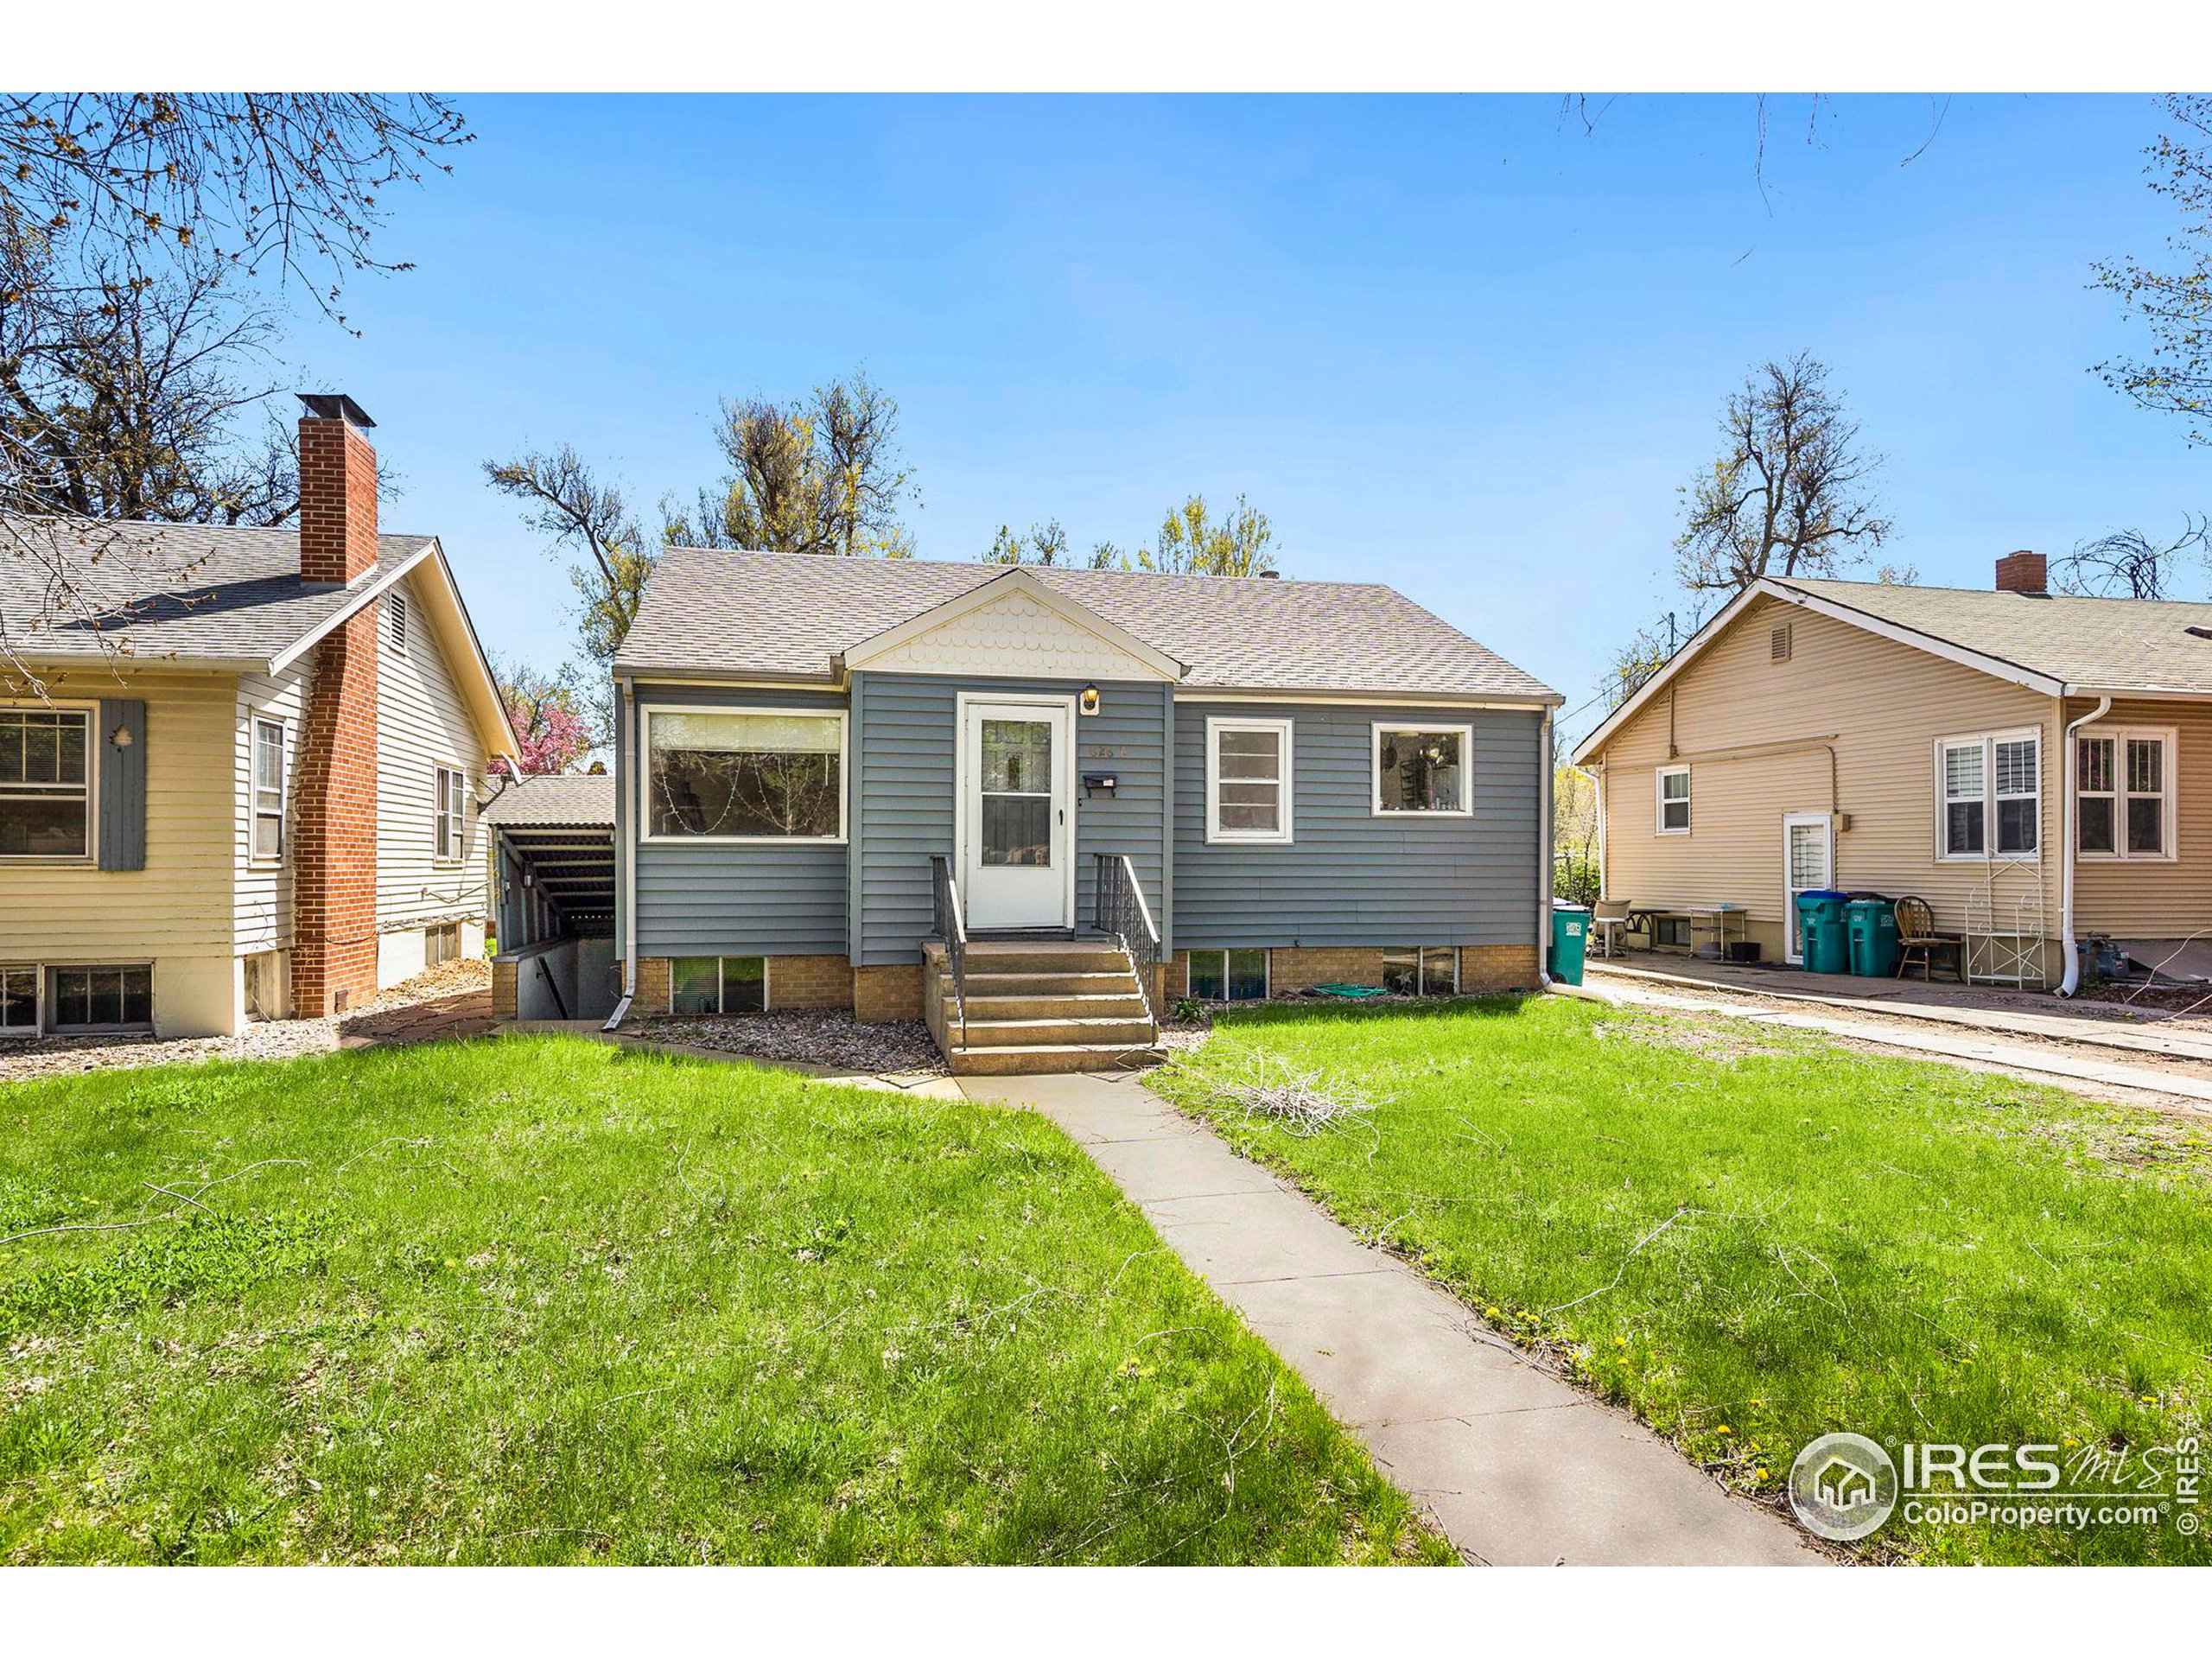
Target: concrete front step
[1027,1060]
[992,983]
[1128,1004]
[1029,956]
[1060,1029]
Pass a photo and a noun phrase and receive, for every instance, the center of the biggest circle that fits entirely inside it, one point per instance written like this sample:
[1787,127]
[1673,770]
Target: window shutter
[122,784]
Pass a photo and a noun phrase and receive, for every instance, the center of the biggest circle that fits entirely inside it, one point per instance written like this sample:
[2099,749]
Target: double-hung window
[46,794]
[2123,793]
[452,806]
[721,774]
[1248,780]
[1990,791]
[267,791]
[1423,769]
[1674,800]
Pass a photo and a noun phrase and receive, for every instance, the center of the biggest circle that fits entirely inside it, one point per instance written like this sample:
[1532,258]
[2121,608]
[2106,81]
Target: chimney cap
[335,406]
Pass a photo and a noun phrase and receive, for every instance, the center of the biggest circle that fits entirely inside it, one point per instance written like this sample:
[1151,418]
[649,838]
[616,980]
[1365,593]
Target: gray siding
[1348,877]
[717,900]
[904,725]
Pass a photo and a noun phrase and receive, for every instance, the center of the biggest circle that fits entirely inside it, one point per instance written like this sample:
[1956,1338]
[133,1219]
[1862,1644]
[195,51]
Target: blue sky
[1456,345]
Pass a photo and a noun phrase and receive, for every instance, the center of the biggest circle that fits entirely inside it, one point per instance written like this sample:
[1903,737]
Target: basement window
[1421,970]
[440,944]
[103,999]
[1229,975]
[717,985]
[18,1001]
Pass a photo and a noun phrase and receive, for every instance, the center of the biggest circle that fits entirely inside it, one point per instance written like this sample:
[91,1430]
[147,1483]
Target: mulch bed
[888,1048]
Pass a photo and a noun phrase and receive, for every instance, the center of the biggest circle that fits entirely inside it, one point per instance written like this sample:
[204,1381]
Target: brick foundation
[1297,967]
[652,986]
[893,992]
[506,991]
[1484,968]
[810,982]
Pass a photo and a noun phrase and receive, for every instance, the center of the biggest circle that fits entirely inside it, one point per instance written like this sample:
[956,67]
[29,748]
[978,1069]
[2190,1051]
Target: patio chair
[1917,937]
[1609,920]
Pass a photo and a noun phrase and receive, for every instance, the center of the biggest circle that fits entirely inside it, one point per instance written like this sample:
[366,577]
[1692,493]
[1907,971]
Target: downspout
[1544,856]
[626,851]
[2070,979]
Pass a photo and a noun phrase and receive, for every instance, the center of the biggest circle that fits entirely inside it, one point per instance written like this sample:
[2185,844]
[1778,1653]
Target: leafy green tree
[1191,543]
[2174,302]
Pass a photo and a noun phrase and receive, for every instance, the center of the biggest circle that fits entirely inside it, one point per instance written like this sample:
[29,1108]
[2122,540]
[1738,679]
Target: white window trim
[644,800]
[1988,740]
[1659,800]
[1285,835]
[254,810]
[37,1027]
[721,984]
[438,776]
[94,739]
[50,1025]
[1267,972]
[1466,810]
[2120,794]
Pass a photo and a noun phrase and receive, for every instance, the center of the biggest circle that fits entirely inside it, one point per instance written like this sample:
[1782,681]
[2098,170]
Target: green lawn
[1910,1251]
[539,1300]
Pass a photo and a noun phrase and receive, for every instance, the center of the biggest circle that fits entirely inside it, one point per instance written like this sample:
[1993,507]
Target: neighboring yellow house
[2038,767]
[242,779]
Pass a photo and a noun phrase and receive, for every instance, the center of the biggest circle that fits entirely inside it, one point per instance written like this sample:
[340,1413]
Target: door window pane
[1017,756]
[1018,829]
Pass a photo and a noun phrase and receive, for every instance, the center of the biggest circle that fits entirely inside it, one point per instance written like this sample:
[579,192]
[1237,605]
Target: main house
[1032,805]
[240,770]
[2033,765]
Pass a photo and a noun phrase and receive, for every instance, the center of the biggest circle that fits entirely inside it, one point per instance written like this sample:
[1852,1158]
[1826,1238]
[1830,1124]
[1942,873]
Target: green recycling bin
[1820,921]
[1873,926]
[1570,938]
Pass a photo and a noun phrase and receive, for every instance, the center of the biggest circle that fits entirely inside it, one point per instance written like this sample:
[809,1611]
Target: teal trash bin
[1820,921]
[1873,927]
[1570,938]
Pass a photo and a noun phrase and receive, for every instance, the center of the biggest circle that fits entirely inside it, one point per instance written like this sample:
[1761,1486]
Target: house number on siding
[1106,752]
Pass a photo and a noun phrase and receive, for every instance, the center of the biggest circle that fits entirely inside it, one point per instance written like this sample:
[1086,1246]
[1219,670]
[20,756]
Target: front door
[1017,856]
[1808,866]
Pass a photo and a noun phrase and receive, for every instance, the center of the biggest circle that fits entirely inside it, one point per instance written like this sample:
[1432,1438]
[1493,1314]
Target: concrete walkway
[1519,1468]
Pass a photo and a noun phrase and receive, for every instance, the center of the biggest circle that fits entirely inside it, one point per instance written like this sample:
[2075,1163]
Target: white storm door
[1808,866]
[1017,833]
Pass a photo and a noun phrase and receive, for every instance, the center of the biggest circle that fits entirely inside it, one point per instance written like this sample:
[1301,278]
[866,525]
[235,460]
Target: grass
[1827,1241]
[540,1299]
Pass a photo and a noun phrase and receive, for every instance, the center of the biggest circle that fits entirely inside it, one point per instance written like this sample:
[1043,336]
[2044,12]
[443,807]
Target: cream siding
[422,725]
[176,913]
[264,893]
[1760,737]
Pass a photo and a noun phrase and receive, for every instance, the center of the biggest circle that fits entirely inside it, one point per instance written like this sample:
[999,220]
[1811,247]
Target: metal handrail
[1118,910]
[953,932]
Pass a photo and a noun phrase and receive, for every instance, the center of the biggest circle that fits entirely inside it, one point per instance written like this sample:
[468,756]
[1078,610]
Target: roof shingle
[790,613]
[570,799]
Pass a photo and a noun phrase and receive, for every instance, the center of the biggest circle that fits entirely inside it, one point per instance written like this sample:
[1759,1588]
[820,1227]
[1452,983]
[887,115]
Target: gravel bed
[265,1040]
[899,1047]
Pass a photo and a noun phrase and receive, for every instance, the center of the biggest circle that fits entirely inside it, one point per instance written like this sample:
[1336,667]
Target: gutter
[625,852]
[2070,979]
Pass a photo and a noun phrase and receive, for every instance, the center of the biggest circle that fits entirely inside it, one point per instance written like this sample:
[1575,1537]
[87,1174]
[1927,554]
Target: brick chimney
[2023,573]
[338,489]
[334,759]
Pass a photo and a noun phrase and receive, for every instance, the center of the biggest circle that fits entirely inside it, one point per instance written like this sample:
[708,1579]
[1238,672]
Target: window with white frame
[267,791]
[718,985]
[1248,780]
[102,999]
[1674,800]
[46,791]
[1423,768]
[2123,793]
[18,1001]
[1421,970]
[745,774]
[452,809]
[1991,795]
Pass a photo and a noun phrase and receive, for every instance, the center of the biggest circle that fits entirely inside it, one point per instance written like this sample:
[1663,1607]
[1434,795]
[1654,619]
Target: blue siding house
[1034,805]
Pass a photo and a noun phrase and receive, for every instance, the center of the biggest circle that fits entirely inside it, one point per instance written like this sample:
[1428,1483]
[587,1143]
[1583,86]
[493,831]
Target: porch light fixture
[1087,700]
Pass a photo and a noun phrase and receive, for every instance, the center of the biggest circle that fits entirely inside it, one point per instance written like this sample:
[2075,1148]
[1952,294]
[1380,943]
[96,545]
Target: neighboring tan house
[2037,766]
[246,783]
[1030,804]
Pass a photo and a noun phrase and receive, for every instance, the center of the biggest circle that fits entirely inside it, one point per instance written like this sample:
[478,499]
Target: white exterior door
[1808,866]
[1017,833]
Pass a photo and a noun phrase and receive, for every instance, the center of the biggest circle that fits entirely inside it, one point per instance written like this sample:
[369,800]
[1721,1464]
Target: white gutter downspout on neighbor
[1544,857]
[2070,980]
[626,853]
